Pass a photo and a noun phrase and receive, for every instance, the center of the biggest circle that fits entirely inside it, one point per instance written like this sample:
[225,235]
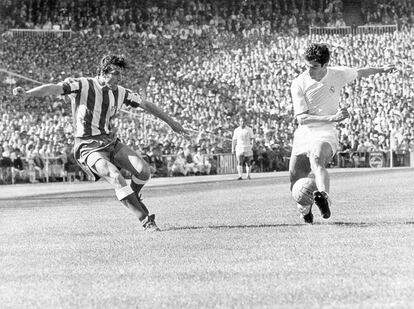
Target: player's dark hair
[317,52]
[109,61]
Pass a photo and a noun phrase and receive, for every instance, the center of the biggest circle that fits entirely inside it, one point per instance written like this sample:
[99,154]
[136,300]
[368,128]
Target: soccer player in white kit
[242,146]
[316,96]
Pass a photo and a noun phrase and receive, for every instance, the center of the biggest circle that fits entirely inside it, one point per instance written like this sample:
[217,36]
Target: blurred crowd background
[205,63]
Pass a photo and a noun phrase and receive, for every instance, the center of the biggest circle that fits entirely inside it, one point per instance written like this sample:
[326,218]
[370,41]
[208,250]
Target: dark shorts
[88,150]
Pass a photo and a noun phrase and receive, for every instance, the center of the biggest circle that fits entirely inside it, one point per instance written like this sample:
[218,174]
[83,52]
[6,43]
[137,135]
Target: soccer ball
[302,191]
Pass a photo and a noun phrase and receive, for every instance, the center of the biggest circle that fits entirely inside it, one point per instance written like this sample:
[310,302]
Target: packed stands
[204,64]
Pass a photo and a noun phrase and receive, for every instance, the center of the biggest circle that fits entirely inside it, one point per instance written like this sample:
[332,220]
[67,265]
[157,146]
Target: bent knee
[141,169]
[107,170]
[321,154]
[144,174]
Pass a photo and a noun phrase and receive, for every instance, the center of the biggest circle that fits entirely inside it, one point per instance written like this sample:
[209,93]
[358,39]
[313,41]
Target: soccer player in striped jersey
[97,149]
[316,95]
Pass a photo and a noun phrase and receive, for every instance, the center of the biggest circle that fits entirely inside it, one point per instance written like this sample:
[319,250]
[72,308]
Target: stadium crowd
[218,63]
[172,17]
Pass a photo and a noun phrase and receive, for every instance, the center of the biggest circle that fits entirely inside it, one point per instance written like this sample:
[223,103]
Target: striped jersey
[94,105]
[322,97]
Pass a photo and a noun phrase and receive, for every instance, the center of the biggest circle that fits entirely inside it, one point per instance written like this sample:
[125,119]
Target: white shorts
[244,151]
[306,138]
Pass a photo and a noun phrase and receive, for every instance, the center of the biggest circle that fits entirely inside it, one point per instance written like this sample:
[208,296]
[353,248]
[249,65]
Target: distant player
[242,146]
[316,95]
[98,151]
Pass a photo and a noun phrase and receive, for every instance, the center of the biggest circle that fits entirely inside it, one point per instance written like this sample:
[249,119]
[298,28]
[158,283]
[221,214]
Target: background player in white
[316,95]
[242,146]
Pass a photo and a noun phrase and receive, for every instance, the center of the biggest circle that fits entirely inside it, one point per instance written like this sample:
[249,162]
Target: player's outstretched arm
[365,72]
[157,112]
[41,91]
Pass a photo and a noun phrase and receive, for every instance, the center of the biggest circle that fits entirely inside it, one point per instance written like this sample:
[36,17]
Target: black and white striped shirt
[94,105]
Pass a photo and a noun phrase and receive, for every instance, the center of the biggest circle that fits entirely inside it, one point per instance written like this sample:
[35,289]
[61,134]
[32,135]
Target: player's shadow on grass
[250,226]
[218,227]
[366,224]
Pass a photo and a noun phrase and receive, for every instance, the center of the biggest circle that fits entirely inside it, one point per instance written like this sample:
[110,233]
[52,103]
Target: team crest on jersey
[332,89]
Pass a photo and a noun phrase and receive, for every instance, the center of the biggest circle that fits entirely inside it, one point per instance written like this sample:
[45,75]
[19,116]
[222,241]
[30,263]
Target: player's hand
[19,91]
[340,115]
[389,68]
[178,128]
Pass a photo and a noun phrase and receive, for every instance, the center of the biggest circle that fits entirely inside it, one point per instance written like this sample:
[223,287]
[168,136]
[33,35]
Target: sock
[128,197]
[239,170]
[136,185]
[304,210]
[248,170]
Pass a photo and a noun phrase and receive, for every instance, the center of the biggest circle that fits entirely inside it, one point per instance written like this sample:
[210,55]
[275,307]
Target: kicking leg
[319,158]
[124,193]
[128,159]
[299,167]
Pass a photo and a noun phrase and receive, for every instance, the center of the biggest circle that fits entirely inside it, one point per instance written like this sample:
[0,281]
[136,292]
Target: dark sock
[137,189]
[131,201]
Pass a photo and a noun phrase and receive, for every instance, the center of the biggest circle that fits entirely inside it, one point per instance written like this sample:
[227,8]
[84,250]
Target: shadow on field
[250,226]
[218,227]
[365,224]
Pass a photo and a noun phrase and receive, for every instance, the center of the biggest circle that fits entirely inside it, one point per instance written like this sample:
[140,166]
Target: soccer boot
[149,224]
[306,213]
[323,202]
[240,178]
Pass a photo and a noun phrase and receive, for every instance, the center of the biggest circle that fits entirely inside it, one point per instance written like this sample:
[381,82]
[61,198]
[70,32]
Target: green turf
[224,245]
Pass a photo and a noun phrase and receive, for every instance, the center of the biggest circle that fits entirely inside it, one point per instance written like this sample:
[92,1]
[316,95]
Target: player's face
[315,68]
[242,122]
[113,78]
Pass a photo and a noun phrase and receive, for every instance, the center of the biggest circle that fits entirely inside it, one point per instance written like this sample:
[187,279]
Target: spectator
[233,61]
[5,168]
[179,167]
[190,165]
[202,162]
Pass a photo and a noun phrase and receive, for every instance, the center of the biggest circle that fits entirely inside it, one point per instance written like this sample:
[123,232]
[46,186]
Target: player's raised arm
[135,100]
[40,91]
[365,72]
[157,112]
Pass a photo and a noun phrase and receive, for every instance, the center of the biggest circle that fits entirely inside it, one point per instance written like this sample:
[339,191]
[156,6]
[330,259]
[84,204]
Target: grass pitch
[233,244]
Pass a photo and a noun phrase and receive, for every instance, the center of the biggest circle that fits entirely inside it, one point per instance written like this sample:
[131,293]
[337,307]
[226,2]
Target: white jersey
[320,98]
[243,138]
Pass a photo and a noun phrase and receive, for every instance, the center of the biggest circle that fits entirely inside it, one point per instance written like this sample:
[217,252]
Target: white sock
[303,210]
[239,170]
[248,170]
